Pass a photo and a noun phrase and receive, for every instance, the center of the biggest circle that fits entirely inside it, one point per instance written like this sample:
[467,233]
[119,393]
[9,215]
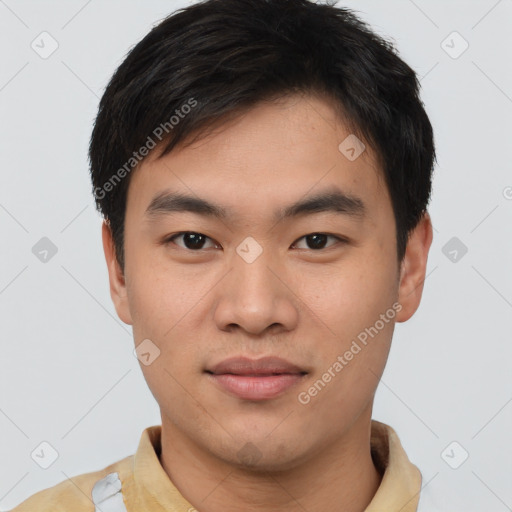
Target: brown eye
[318,241]
[191,240]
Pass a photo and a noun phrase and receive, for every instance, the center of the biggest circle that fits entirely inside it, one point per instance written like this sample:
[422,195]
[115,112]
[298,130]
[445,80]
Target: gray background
[68,375]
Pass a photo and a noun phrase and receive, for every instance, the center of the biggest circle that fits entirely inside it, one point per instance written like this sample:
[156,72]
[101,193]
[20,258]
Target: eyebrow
[332,200]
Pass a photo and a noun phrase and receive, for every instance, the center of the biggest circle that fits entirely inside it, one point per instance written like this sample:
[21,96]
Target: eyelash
[170,240]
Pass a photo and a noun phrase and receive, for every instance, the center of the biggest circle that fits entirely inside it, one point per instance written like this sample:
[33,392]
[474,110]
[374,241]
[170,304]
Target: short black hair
[216,59]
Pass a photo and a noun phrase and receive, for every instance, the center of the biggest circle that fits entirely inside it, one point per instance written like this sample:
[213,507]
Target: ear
[413,268]
[115,276]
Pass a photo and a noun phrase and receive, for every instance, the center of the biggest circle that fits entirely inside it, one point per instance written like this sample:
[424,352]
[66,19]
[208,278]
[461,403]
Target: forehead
[272,154]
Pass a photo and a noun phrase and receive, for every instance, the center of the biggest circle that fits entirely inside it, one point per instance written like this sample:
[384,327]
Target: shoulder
[75,493]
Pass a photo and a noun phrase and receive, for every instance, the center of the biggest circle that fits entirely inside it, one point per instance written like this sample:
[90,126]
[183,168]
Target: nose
[257,296]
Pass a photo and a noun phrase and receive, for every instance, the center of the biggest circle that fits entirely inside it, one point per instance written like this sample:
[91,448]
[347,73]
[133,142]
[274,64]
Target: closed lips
[265,366]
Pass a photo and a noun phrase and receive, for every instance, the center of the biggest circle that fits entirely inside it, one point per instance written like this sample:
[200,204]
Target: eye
[191,240]
[318,241]
[195,242]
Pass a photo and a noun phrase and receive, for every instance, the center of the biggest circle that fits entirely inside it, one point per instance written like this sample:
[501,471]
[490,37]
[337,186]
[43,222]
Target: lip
[264,366]
[256,379]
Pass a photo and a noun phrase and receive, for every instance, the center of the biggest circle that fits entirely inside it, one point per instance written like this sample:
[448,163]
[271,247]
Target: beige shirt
[138,483]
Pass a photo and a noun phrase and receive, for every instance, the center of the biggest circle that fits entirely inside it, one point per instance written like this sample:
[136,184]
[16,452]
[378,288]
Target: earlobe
[413,268]
[118,291]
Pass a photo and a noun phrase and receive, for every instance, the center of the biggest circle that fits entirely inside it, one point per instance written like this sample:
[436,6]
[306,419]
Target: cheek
[170,307]
[349,297]
[160,295]
[164,304]
[151,305]
[352,342]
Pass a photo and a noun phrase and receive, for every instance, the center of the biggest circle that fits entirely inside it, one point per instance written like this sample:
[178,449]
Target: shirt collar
[399,489]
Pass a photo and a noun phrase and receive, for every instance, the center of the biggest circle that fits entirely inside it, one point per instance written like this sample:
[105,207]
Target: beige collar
[399,490]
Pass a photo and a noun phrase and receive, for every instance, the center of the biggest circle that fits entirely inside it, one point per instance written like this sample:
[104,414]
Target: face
[319,287]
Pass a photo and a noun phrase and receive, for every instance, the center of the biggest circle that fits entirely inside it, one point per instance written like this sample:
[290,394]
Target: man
[264,169]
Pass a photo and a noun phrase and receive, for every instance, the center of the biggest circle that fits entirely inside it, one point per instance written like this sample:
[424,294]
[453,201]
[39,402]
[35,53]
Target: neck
[342,474]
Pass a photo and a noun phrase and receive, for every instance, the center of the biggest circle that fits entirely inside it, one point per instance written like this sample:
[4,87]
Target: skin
[303,304]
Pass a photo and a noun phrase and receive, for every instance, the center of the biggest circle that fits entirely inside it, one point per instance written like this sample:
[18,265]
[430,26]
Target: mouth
[257,380]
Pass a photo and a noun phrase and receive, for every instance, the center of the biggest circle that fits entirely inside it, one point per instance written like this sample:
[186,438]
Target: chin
[269,463]
[258,454]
